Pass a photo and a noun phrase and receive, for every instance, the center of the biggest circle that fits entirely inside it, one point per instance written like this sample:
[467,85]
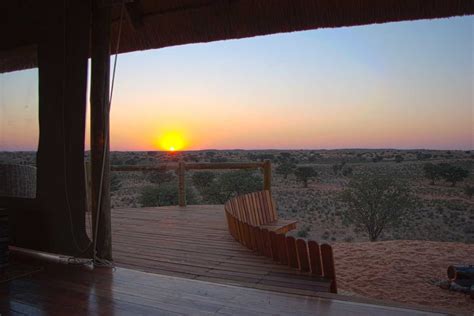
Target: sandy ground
[401,271]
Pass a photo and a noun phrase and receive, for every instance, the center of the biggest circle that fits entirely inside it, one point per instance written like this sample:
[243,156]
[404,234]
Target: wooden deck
[61,289]
[194,243]
[197,269]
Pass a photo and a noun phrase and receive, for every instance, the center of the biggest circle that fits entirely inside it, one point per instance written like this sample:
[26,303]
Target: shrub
[115,182]
[218,159]
[377,158]
[338,167]
[347,171]
[160,176]
[304,174]
[453,174]
[376,202]
[230,184]
[432,172]
[285,169]
[469,191]
[303,232]
[423,156]
[203,179]
[164,194]
[399,158]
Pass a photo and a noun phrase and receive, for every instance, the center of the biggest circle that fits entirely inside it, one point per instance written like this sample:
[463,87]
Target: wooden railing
[245,218]
[181,168]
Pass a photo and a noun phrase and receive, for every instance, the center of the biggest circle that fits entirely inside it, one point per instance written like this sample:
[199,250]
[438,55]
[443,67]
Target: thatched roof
[155,24]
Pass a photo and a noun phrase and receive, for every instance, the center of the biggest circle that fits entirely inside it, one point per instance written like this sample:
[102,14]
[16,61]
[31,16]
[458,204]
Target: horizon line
[264,149]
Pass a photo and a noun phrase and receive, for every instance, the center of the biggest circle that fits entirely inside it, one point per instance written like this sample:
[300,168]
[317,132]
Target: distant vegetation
[442,182]
[450,173]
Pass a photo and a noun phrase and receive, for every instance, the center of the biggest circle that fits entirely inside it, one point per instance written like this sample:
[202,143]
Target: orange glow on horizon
[171,141]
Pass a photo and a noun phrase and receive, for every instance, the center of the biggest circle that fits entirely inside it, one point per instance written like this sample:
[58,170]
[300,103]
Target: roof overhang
[152,24]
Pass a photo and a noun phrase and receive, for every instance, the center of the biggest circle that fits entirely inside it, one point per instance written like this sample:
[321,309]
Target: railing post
[181,184]
[267,175]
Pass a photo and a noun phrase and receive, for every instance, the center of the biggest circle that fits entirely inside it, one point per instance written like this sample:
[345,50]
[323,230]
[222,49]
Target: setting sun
[171,141]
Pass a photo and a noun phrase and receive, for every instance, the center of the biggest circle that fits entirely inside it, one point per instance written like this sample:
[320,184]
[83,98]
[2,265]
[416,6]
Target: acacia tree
[446,171]
[454,174]
[376,202]
[304,174]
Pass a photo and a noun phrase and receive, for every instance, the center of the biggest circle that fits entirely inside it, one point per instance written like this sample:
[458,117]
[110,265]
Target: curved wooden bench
[253,221]
[258,209]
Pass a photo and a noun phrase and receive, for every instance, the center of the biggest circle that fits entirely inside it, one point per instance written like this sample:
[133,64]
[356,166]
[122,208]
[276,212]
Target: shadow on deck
[194,243]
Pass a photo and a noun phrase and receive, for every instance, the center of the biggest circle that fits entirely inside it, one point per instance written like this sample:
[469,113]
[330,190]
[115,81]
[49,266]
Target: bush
[450,173]
[376,202]
[338,167]
[423,156]
[218,159]
[453,174]
[115,182]
[469,191]
[377,158]
[304,174]
[303,232]
[231,184]
[347,171]
[432,172]
[399,158]
[285,169]
[160,176]
[164,194]
[203,179]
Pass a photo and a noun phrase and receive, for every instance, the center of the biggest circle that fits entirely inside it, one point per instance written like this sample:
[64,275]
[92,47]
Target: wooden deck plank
[60,289]
[194,243]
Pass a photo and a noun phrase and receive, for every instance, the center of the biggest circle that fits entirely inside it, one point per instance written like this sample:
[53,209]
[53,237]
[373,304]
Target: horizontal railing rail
[182,166]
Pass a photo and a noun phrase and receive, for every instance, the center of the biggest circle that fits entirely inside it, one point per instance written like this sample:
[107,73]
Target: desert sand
[403,271]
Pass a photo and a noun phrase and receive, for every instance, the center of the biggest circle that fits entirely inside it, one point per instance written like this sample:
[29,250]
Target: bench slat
[280,226]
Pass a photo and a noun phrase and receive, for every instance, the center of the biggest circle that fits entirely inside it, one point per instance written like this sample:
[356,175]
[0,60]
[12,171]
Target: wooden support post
[100,81]
[181,184]
[267,175]
[88,172]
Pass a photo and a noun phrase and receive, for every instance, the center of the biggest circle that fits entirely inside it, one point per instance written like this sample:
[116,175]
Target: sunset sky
[396,85]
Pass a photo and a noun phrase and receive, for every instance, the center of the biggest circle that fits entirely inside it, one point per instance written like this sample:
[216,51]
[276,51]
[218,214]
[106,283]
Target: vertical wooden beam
[181,184]
[58,214]
[100,81]
[267,175]
[87,166]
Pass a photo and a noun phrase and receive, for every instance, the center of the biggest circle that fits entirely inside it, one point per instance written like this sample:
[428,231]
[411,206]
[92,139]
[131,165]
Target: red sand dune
[401,271]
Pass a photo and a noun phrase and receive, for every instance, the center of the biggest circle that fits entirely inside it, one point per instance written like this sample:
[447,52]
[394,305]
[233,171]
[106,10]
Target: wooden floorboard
[61,289]
[194,243]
